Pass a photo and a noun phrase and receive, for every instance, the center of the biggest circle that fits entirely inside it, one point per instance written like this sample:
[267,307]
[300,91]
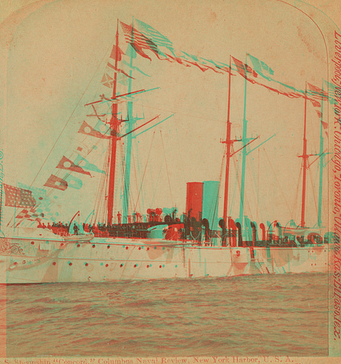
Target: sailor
[119,218]
[75,229]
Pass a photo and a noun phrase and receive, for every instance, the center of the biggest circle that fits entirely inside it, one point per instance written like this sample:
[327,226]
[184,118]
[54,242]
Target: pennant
[67,164]
[139,51]
[316,91]
[261,68]
[85,150]
[202,68]
[139,41]
[178,60]
[244,69]
[56,182]
[23,214]
[159,39]
[194,58]
[73,181]
[18,197]
[116,51]
[88,130]
[119,70]
[122,80]
[107,81]
[315,103]
[80,161]
[211,65]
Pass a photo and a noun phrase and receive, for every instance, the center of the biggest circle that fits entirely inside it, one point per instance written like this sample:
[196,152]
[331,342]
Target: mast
[319,212]
[113,142]
[244,141]
[228,150]
[129,137]
[305,158]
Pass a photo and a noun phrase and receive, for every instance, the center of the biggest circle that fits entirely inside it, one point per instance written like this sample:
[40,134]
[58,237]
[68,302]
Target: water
[250,315]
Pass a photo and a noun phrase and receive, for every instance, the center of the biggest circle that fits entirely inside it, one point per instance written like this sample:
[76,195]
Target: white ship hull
[25,261]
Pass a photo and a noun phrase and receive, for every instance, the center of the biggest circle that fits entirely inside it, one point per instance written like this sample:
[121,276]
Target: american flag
[139,41]
[18,197]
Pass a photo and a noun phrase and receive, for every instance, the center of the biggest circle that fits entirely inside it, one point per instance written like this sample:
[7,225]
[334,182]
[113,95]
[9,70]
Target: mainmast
[305,159]
[321,153]
[228,150]
[244,141]
[113,141]
[130,122]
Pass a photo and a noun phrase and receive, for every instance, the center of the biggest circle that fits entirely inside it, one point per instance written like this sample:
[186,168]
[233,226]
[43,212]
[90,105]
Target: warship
[131,245]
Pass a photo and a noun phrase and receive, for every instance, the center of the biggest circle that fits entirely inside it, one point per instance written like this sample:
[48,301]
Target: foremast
[114,124]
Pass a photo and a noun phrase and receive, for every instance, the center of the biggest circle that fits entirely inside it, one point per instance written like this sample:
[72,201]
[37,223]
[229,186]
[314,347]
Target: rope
[145,169]
[281,189]
[164,153]
[297,191]
[67,122]
[312,187]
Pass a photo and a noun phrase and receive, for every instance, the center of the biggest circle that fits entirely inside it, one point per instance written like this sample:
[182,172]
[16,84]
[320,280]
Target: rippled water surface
[250,315]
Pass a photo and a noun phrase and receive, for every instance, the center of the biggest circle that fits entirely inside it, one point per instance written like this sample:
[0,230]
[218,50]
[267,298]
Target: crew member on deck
[75,229]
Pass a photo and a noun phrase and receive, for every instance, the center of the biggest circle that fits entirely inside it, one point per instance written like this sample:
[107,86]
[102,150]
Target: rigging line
[106,100]
[103,186]
[139,127]
[158,178]
[131,197]
[179,148]
[67,122]
[164,153]
[137,175]
[235,184]
[220,186]
[295,209]
[312,187]
[248,206]
[244,146]
[123,174]
[99,191]
[82,142]
[256,189]
[102,201]
[180,113]
[145,169]
[153,126]
[61,171]
[273,171]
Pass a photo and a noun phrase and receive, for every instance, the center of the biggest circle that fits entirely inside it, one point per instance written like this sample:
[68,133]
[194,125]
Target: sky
[55,61]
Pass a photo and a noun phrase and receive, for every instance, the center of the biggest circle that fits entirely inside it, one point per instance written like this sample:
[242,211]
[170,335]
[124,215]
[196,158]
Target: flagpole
[113,143]
[1,205]
[305,158]
[319,214]
[15,205]
[228,153]
[244,141]
[130,122]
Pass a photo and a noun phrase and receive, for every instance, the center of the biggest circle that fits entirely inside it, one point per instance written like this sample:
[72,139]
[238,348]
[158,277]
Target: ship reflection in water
[251,316]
